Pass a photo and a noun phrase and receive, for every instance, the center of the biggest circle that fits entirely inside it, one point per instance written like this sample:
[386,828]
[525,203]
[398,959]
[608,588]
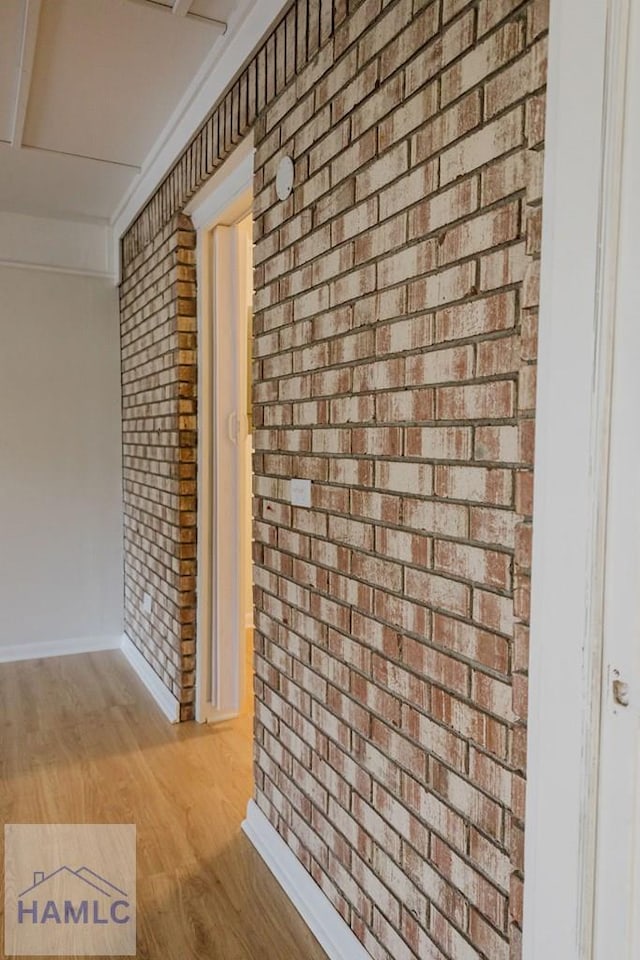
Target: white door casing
[222,430]
[616,906]
[564,880]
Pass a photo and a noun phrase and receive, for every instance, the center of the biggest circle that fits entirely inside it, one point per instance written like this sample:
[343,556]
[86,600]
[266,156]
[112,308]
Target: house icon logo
[72,896]
[70,890]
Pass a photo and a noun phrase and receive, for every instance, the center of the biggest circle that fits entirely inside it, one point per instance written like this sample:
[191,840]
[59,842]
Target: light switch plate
[300,493]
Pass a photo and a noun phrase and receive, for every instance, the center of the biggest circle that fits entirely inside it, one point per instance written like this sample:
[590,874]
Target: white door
[617,887]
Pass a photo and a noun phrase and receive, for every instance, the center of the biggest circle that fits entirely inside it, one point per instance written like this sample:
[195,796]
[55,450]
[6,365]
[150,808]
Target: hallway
[81,741]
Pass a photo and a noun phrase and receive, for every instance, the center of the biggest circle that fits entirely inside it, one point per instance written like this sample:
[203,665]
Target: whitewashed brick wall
[395,348]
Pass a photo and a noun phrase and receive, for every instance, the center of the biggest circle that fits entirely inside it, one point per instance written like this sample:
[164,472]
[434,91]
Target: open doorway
[223,219]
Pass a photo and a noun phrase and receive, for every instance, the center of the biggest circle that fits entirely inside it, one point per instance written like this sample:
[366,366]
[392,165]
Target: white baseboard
[169,704]
[58,648]
[330,930]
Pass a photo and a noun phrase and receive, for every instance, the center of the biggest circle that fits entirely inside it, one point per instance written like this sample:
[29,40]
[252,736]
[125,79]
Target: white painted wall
[60,459]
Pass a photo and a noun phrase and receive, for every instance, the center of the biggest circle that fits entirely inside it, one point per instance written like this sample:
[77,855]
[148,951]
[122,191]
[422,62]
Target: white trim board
[62,246]
[325,923]
[169,704]
[58,648]
[47,268]
[224,199]
[570,469]
[212,202]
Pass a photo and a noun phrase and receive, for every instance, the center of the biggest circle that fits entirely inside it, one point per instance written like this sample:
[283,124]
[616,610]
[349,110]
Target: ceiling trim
[25,71]
[61,246]
[219,69]
[182,8]
[81,156]
[48,268]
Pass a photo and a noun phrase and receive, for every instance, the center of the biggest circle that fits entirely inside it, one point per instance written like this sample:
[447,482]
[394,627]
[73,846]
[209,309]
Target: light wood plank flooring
[81,741]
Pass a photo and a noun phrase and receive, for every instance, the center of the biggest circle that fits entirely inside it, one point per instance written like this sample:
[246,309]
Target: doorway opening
[223,219]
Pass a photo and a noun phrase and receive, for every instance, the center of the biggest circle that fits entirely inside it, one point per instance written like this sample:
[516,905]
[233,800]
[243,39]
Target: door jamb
[224,200]
[579,255]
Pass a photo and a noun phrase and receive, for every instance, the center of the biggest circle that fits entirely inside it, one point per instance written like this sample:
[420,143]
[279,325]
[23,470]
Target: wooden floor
[81,741]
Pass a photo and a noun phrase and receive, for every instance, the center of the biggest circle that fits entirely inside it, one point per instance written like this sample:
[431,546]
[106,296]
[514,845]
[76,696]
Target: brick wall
[160,478]
[396,296]
[158,345]
[395,346]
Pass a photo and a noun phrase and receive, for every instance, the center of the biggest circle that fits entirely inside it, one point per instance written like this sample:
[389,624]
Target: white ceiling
[89,90]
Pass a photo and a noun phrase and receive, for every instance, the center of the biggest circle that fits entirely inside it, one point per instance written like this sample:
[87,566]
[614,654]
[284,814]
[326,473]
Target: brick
[438,443]
[486,315]
[447,937]
[414,36]
[408,190]
[463,796]
[446,128]
[472,563]
[478,401]
[354,26]
[470,723]
[488,230]
[382,172]
[451,8]
[479,148]
[349,158]
[446,519]
[355,221]
[406,405]
[477,645]
[439,593]
[377,106]
[498,444]
[441,741]
[437,667]
[440,366]
[492,12]
[451,205]
[386,28]
[447,286]
[403,476]
[407,263]
[537,19]
[453,41]
[525,76]
[503,267]
[488,940]
[476,484]
[485,58]
[414,113]
[492,695]
[403,335]
[488,525]
[506,176]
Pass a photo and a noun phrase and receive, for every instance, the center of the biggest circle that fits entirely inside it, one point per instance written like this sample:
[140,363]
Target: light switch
[300,493]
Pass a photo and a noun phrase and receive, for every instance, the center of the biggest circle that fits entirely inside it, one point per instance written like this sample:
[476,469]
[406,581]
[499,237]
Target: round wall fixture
[284,178]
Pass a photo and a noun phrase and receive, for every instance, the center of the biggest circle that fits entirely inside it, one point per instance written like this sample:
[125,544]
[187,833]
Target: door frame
[584,137]
[226,199]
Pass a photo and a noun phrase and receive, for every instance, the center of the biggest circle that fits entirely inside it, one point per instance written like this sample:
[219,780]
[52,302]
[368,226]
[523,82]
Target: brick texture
[158,343]
[395,348]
